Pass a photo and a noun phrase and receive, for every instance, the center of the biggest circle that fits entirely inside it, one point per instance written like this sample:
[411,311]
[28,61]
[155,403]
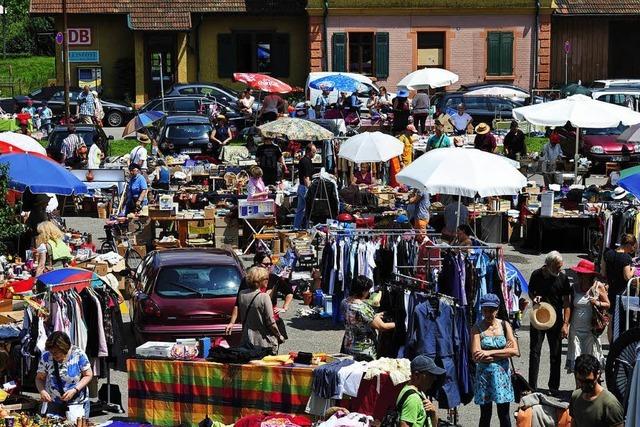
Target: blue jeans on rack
[299,222]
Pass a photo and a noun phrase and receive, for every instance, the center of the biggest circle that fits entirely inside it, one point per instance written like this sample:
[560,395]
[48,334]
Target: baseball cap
[423,363]
[402,219]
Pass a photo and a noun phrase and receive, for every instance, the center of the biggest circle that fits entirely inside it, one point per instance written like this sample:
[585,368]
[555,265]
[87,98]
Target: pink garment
[102,341]
[256,185]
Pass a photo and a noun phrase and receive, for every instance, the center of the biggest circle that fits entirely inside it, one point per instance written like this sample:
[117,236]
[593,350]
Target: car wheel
[115,119]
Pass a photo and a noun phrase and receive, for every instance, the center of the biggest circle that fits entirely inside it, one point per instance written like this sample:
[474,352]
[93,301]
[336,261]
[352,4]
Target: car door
[213,92]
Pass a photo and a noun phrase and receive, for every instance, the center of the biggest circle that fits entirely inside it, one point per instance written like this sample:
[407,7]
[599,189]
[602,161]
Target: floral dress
[493,380]
[360,339]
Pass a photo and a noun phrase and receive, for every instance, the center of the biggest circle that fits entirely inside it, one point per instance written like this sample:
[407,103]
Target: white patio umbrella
[503,92]
[579,110]
[21,142]
[427,78]
[371,147]
[463,172]
[631,134]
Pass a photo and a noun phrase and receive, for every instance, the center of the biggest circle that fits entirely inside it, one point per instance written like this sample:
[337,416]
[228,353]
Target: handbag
[281,327]
[520,385]
[599,319]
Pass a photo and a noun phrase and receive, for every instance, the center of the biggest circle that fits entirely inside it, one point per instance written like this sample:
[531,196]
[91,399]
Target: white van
[363,91]
[626,97]
[604,84]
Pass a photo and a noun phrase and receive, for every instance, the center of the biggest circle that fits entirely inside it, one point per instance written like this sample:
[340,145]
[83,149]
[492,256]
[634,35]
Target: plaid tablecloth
[168,393]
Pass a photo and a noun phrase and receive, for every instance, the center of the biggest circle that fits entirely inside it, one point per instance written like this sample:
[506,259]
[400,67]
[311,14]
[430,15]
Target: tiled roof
[168,14]
[597,7]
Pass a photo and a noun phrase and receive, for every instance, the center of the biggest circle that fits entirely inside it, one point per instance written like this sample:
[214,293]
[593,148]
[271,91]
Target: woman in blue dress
[492,345]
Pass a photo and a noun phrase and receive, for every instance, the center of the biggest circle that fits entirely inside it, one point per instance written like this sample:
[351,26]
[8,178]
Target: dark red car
[186,293]
[601,145]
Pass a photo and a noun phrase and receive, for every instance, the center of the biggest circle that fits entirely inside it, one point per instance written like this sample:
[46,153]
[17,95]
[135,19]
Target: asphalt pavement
[321,335]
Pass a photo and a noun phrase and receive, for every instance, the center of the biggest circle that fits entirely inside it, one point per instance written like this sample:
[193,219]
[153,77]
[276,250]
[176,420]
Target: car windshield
[605,131]
[191,131]
[200,281]
[57,137]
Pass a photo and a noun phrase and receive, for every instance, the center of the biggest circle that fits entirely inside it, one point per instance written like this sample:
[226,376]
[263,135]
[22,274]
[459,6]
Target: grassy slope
[28,73]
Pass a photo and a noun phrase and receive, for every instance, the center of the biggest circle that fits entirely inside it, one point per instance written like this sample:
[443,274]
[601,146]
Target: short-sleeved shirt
[551,289]
[69,146]
[486,142]
[137,185]
[70,370]
[268,156]
[94,158]
[436,141]
[605,410]
[460,121]
[615,263]
[87,104]
[360,339]
[422,207]
[305,169]
[412,411]
[270,103]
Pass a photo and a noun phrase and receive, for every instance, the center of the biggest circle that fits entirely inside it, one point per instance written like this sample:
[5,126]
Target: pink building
[487,42]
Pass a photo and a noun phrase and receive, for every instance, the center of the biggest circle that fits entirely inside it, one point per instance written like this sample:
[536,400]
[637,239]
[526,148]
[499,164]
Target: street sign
[59,38]
[567,47]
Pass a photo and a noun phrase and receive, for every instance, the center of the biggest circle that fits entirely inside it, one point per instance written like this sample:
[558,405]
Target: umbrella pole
[576,157]
[255,119]
[458,216]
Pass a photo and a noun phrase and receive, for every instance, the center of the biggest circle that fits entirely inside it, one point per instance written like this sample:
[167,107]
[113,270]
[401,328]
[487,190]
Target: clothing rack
[425,291]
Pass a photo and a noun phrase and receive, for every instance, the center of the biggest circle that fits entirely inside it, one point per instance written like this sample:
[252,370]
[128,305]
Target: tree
[10,226]
[26,34]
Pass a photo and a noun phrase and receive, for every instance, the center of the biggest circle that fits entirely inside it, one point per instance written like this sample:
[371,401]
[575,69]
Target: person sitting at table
[363,175]
[161,176]
[256,312]
[484,141]
[439,139]
[52,251]
[256,190]
[464,236]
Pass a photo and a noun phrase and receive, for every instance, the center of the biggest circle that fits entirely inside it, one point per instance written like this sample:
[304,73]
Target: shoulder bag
[520,385]
[599,319]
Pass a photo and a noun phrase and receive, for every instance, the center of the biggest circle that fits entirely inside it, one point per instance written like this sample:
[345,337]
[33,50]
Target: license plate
[191,151]
[620,158]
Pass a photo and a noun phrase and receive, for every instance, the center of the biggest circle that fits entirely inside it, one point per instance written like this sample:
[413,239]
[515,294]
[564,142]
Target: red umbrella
[262,82]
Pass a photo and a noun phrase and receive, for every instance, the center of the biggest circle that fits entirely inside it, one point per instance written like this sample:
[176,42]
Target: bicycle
[115,232]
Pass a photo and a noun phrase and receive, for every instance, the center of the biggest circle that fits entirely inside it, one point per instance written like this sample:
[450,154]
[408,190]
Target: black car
[185,134]
[195,105]
[115,113]
[216,91]
[480,108]
[86,132]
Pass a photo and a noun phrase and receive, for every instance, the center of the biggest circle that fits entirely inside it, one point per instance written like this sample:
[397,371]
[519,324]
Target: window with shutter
[226,55]
[382,55]
[361,53]
[499,53]
[338,52]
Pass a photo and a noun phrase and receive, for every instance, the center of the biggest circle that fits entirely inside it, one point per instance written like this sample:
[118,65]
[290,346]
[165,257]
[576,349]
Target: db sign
[79,36]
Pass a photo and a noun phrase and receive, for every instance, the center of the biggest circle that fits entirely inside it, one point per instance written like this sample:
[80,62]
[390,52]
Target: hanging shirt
[94,157]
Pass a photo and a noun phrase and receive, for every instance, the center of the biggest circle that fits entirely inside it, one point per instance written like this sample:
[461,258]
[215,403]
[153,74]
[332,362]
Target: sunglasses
[266,264]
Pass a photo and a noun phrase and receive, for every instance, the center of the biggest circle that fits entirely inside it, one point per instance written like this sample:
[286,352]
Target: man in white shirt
[460,120]
[139,154]
[95,154]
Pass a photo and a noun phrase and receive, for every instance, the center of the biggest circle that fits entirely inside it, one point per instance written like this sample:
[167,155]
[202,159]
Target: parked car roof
[186,118]
[186,256]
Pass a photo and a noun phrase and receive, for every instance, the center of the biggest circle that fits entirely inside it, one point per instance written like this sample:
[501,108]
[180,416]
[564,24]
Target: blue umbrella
[142,120]
[631,183]
[339,82]
[40,175]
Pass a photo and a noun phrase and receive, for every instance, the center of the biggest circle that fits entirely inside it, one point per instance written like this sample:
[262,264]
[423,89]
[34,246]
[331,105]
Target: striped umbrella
[142,121]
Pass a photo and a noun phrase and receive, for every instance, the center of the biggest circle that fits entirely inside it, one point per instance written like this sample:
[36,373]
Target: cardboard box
[221,221]
[141,249]
[101,268]
[209,212]
[11,317]
[122,248]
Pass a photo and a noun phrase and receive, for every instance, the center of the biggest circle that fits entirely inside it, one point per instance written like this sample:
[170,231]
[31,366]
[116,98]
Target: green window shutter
[226,55]
[506,54]
[493,53]
[339,52]
[280,55]
[382,55]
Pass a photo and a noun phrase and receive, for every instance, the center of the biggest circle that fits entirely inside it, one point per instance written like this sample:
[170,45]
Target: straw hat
[482,129]
[143,138]
[543,316]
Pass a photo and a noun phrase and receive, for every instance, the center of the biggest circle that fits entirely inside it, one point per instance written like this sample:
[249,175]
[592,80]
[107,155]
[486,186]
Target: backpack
[392,418]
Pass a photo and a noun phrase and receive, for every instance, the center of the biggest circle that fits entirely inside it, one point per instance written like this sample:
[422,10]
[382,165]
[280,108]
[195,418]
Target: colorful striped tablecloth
[170,392]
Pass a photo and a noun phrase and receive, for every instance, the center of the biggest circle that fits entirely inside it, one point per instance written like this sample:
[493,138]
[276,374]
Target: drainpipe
[534,54]
[325,42]
[197,47]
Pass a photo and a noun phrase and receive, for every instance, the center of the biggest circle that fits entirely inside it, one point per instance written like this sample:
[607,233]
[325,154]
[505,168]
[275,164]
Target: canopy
[579,110]
[296,129]
[427,78]
[141,121]
[631,134]
[262,82]
[371,147]
[67,278]
[463,172]
[11,142]
[340,82]
[504,92]
[40,175]
[630,180]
